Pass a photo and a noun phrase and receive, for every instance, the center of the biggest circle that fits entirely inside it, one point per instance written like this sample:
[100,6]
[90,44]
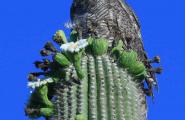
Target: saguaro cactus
[90,78]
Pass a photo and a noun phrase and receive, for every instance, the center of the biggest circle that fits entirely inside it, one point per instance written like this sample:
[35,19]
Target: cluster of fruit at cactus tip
[86,81]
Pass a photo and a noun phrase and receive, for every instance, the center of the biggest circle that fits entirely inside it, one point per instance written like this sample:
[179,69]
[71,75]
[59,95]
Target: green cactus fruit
[61,59]
[126,59]
[99,46]
[77,64]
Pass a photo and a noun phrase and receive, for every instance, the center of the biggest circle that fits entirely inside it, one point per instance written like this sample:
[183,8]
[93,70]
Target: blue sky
[26,25]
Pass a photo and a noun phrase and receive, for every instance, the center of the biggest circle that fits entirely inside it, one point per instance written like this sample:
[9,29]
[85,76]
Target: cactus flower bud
[59,37]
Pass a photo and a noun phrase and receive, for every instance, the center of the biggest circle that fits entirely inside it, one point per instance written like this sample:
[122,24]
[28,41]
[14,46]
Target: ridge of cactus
[92,102]
[109,88]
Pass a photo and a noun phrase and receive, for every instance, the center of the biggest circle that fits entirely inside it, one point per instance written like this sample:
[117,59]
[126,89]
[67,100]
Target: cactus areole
[92,77]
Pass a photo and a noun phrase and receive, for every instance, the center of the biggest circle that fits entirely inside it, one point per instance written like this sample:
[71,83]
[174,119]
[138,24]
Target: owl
[114,20]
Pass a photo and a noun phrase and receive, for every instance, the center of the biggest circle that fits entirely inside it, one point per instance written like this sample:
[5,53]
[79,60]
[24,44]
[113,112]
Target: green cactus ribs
[87,81]
[100,94]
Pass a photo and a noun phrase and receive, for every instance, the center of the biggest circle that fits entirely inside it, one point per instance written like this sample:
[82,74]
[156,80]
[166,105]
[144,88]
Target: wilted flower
[74,46]
[49,46]
[44,52]
[156,70]
[156,59]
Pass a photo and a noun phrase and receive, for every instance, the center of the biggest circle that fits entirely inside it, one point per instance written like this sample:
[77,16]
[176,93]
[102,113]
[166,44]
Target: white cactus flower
[39,82]
[31,85]
[74,46]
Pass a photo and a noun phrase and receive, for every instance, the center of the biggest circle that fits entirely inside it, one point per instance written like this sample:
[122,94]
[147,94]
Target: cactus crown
[86,81]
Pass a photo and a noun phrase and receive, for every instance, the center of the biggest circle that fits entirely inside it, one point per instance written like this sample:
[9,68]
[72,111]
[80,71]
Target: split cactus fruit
[90,82]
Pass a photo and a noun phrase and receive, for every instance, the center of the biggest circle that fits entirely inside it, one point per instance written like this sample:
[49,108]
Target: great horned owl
[111,19]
